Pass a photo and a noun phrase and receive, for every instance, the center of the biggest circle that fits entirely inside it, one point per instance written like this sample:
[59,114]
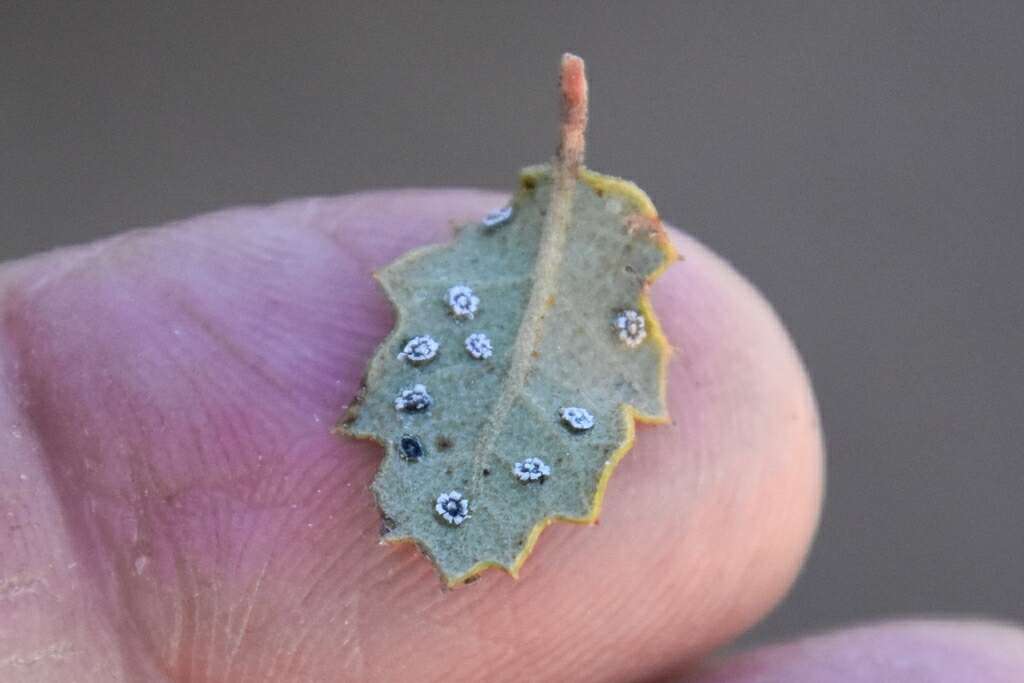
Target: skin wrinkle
[232,349]
[34,556]
[14,301]
[59,650]
[20,585]
[226,483]
[144,478]
[146,520]
[310,611]
[213,622]
[197,443]
[350,601]
[301,582]
[250,601]
[235,351]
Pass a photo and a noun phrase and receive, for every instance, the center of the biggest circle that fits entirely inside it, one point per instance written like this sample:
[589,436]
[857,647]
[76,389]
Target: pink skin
[897,652]
[177,508]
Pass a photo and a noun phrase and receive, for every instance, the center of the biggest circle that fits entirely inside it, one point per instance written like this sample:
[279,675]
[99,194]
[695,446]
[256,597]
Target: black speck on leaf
[411,447]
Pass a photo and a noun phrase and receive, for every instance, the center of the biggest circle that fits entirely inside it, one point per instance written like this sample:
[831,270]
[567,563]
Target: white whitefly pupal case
[632,328]
[498,217]
[578,419]
[531,469]
[419,349]
[453,507]
[462,302]
[479,346]
[413,399]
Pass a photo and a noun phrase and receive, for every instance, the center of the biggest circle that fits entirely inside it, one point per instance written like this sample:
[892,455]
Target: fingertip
[256,324]
[922,651]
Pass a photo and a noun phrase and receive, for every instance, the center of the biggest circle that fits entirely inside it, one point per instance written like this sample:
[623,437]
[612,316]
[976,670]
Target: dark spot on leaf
[529,183]
[599,192]
[352,411]
[487,472]
[448,471]
[411,448]
[443,443]
[387,525]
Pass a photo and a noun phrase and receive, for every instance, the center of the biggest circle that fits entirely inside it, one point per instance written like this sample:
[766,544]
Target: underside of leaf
[523,353]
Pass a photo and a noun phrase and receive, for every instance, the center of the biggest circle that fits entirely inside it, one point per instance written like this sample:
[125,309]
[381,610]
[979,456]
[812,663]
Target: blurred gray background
[860,162]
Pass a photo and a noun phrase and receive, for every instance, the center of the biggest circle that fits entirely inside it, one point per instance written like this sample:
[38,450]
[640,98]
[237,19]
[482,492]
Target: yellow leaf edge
[625,189]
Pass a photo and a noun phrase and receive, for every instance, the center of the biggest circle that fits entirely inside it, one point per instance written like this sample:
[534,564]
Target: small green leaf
[523,353]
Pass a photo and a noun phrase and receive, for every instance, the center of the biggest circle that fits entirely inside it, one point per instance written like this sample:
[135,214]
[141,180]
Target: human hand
[177,508]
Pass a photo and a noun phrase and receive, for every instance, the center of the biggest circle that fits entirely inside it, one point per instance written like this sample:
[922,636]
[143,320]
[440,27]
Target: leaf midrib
[546,272]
